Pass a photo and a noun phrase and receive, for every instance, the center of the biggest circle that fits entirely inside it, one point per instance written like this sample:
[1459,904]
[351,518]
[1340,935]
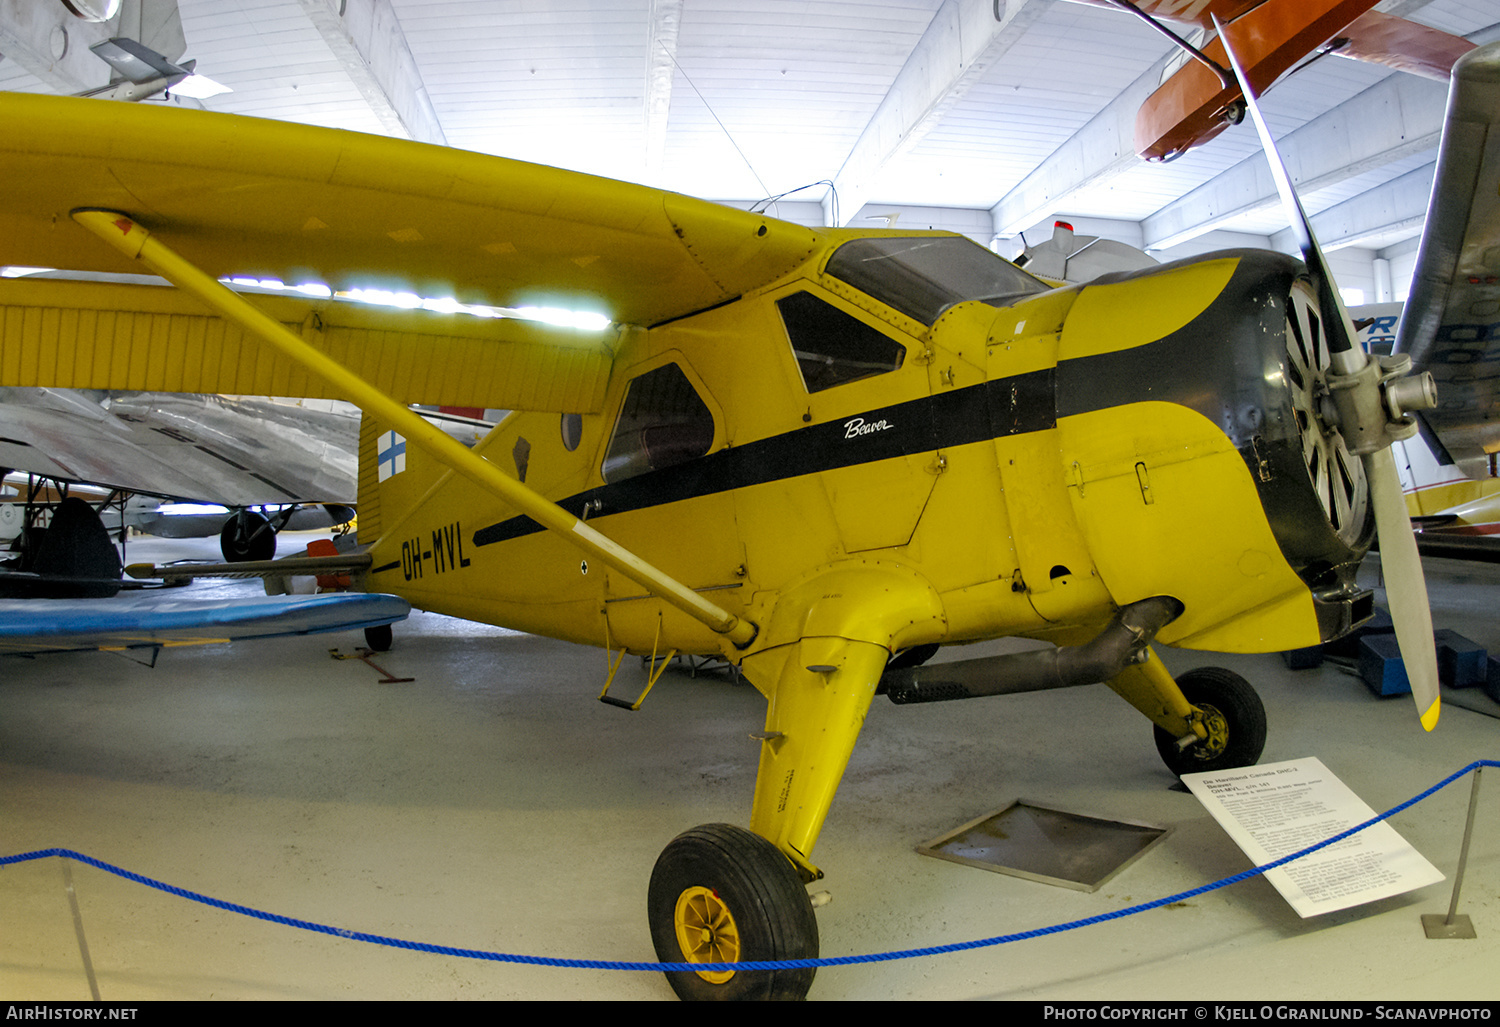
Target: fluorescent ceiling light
[199,87]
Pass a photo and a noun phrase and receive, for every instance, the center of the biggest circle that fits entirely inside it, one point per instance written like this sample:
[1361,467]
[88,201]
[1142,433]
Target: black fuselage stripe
[996,409]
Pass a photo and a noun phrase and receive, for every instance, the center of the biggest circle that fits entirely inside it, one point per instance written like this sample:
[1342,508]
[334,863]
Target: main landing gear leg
[723,894]
[1209,719]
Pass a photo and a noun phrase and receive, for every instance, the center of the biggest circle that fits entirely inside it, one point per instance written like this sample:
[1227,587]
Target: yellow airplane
[811,453]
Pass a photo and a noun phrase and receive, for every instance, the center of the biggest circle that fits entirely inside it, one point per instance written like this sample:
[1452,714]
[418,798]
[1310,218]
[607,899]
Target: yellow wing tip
[1430,715]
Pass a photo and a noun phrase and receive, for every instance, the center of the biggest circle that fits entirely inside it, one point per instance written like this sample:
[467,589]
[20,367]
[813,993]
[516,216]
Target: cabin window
[663,423]
[832,347]
[924,275]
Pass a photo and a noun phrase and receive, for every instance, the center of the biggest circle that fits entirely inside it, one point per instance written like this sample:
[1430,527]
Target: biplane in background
[816,454]
[61,553]
[1199,97]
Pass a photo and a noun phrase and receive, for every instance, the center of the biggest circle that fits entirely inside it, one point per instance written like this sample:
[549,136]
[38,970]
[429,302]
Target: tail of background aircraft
[370,520]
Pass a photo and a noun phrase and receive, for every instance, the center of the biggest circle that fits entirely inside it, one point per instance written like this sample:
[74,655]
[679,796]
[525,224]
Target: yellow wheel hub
[706,932]
[1218,733]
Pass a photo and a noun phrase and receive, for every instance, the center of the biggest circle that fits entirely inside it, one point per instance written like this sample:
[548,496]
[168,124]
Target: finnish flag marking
[392,450]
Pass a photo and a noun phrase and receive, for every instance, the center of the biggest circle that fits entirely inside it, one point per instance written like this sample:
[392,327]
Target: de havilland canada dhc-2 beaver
[814,453]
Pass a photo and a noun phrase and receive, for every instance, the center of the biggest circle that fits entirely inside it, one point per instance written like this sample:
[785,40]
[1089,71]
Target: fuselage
[1035,457]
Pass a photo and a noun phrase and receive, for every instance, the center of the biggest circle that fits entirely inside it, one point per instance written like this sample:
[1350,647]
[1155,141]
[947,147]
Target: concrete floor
[494,804]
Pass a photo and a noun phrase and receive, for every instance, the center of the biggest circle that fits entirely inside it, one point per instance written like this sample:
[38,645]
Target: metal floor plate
[1048,845]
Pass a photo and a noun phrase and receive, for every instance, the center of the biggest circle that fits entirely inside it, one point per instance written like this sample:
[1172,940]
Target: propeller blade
[1405,587]
[1340,332]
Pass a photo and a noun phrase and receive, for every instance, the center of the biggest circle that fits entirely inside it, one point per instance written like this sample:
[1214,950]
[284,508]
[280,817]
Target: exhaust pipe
[1118,646]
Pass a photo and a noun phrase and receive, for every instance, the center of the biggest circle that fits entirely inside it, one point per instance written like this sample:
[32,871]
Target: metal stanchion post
[1456,924]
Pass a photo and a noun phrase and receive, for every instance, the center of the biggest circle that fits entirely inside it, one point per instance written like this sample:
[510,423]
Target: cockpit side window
[832,347]
[663,423]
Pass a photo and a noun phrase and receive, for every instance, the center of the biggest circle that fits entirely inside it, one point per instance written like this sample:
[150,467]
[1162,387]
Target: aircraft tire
[1237,732]
[720,893]
[242,539]
[379,638]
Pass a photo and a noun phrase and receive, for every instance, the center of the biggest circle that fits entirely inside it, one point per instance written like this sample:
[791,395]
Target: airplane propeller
[1370,400]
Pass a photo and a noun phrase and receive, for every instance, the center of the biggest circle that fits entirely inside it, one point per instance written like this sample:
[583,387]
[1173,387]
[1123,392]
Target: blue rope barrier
[604,964]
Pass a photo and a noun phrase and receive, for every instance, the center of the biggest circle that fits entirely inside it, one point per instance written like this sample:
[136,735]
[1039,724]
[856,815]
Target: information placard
[1273,810]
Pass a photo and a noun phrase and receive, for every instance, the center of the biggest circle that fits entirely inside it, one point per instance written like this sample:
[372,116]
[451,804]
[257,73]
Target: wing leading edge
[245,196]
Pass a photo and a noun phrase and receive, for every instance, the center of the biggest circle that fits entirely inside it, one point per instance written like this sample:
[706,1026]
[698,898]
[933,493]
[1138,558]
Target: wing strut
[126,235]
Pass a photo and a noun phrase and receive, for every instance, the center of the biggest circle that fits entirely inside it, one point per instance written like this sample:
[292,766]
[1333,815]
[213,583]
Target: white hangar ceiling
[985,116]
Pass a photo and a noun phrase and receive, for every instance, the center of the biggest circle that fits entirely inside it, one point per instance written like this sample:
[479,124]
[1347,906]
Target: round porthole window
[572,431]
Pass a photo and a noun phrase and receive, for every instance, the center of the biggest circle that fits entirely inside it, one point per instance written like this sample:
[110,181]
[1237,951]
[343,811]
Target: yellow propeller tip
[1430,715]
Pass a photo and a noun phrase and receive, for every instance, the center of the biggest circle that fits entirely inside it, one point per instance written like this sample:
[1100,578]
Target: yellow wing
[244,196]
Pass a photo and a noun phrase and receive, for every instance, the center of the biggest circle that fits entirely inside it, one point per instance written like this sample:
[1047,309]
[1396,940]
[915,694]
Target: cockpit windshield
[922,276]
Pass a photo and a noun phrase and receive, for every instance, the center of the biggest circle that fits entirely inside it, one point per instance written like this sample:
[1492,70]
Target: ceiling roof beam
[664,23]
[1104,146]
[155,23]
[1371,217]
[962,41]
[1398,116]
[368,41]
[46,41]
[1401,8]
